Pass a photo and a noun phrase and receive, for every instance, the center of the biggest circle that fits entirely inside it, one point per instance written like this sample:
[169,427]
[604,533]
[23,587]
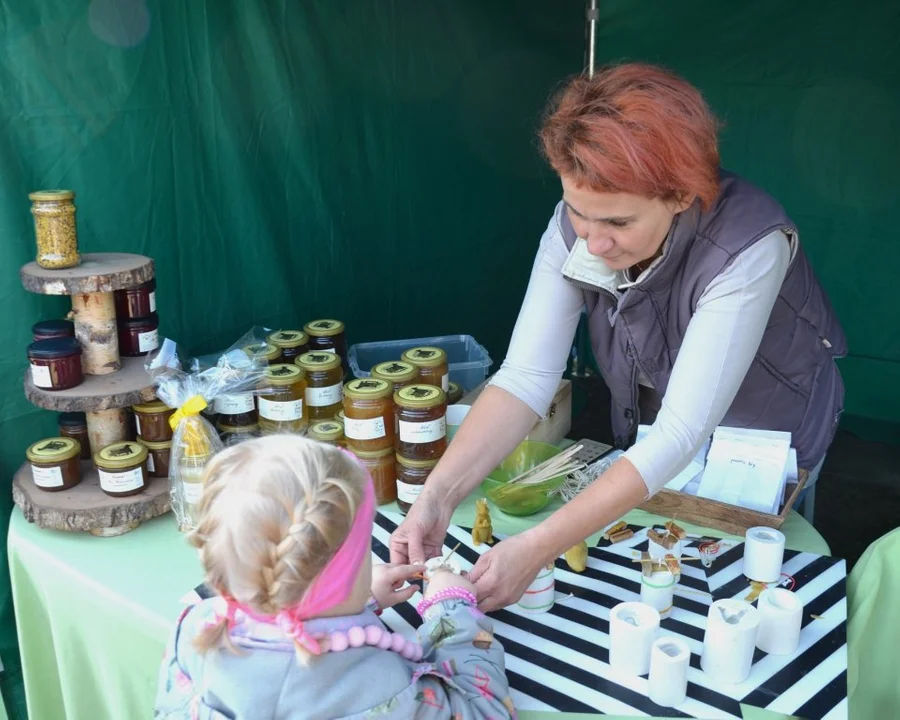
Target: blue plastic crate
[469,361]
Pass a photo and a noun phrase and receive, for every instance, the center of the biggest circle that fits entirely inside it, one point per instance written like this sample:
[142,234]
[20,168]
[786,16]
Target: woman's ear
[680,204]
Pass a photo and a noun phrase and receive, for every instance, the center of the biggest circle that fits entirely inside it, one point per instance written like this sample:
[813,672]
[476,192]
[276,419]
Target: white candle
[780,617]
[632,630]
[658,591]
[669,661]
[730,640]
[763,554]
[539,596]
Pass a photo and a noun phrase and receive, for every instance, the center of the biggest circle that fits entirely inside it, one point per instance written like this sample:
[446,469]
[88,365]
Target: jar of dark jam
[158,456]
[56,364]
[411,477]
[236,410]
[138,337]
[55,463]
[152,421]
[328,336]
[74,425]
[138,302]
[291,343]
[398,373]
[421,421]
[51,329]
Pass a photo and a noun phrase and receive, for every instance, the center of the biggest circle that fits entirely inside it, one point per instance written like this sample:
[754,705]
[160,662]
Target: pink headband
[331,587]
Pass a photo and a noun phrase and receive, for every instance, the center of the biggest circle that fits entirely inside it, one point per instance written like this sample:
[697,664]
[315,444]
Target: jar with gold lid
[382,466]
[454,394]
[234,434]
[291,343]
[421,421]
[74,425]
[123,468]
[328,336]
[411,477]
[369,414]
[152,421]
[432,363]
[340,417]
[399,374]
[158,456]
[281,405]
[54,228]
[264,351]
[55,463]
[327,431]
[324,386]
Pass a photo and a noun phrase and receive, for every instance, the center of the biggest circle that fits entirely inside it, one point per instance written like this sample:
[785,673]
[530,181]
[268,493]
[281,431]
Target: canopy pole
[593,15]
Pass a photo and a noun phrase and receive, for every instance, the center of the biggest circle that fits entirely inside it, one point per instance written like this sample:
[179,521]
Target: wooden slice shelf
[129,386]
[98,272]
[86,508]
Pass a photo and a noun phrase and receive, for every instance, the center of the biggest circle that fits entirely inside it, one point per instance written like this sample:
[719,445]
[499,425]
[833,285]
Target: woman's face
[619,228]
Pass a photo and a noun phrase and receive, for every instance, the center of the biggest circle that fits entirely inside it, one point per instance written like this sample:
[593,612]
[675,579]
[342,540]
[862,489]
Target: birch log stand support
[111,384]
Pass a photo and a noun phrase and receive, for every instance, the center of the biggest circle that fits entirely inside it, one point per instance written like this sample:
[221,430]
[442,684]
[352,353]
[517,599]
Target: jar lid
[324,328]
[318,361]
[283,374]
[340,416]
[121,455]
[395,371]
[54,348]
[288,338]
[326,430]
[368,389]
[419,396]
[454,390]
[417,464]
[153,407]
[54,327]
[51,195]
[262,351]
[425,356]
[150,445]
[373,454]
[53,450]
[238,429]
[152,320]
[71,419]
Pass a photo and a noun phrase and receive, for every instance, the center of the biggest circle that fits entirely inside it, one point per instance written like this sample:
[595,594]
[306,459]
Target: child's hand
[443,579]
[388,581]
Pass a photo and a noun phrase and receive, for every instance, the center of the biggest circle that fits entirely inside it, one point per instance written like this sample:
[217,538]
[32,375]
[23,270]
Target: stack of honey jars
[370,431]
[137,320]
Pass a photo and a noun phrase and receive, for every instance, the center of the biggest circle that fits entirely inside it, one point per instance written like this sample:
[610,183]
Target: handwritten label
[370,429]
[47,477]
[423,432]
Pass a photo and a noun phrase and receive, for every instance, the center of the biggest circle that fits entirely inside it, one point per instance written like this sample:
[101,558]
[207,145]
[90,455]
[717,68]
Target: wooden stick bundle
[561,464]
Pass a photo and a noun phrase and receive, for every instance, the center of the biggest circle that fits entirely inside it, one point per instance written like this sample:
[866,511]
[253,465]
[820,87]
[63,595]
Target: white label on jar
[425,432]
[234,404]
[445,383]
[323,397]
[370,429]
[151,466]
[148,341]
[280,410]
[333,351]
[121,481]
[408,493]
[48,477]
[40,376]
[137,423]
[193,491]
[153,301]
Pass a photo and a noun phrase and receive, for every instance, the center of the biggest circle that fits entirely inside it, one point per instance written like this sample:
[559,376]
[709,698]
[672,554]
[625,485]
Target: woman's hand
[444,579]
[502,574]
[420,536]
[388,581]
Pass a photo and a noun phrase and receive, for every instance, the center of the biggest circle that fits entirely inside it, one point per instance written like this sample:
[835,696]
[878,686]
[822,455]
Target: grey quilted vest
[793,383]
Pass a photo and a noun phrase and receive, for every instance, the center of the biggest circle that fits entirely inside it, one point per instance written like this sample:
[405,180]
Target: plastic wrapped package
[195,441]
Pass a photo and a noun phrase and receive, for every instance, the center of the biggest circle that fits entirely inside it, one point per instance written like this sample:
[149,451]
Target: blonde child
[285,539]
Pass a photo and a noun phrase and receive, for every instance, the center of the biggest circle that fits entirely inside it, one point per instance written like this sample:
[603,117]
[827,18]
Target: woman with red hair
[701,305]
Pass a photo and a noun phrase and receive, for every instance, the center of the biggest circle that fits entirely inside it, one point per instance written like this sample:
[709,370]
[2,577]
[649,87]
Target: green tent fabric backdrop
[375,160]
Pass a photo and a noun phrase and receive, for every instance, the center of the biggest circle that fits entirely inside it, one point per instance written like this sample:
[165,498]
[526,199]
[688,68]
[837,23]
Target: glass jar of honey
[191,471]
[236,410]
[281,405]
[123,468]
[328,336]
[74,425]
[54,228]
[55,463]
[400,374]
[324,386]
[382,466]
[264,352]
[152,421]
[291,343]
[433,366]
[369,414]
[421,421]
[454,394]
[327,431]
[411,477]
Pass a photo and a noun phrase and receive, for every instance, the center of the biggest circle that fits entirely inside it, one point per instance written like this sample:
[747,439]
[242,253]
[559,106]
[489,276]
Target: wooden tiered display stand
[111,384]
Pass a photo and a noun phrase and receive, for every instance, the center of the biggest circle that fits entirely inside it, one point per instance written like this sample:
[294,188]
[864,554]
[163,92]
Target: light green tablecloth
[94,614]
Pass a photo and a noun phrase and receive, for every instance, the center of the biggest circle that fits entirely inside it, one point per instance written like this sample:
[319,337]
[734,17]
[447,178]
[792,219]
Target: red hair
[636,129]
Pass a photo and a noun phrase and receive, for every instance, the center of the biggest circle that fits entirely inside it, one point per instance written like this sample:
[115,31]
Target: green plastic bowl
[525,499]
